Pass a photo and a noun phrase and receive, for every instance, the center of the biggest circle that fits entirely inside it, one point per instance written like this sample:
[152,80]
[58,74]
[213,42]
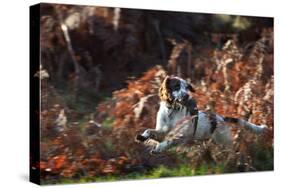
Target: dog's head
[174,90]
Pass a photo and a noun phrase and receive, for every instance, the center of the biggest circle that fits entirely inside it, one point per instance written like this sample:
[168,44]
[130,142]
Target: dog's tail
[247,125]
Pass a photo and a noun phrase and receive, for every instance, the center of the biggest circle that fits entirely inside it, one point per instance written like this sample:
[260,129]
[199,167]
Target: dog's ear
[190,88]
[164,91]
[165,82]
[166,79]
[189,85]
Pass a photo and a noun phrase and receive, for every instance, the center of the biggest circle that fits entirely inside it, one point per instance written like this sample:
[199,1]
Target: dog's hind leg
[222,136]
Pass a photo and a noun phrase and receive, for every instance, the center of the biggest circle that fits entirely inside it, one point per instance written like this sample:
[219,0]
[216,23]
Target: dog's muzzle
[180,96]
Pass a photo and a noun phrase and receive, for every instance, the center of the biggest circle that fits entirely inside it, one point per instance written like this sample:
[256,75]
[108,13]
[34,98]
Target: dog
[179,121]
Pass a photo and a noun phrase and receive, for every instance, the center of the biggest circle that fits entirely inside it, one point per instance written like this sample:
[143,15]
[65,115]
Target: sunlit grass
[159,172]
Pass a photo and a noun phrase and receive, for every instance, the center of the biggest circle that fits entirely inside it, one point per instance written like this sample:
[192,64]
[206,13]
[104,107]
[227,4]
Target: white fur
[221,135]
[252,127]
[167,119]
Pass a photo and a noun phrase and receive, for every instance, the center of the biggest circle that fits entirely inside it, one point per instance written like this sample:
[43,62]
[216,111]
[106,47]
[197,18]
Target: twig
[64,29]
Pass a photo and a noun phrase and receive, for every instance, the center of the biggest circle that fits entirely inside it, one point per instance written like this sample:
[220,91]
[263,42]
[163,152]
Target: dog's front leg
[162,146]
[150,134]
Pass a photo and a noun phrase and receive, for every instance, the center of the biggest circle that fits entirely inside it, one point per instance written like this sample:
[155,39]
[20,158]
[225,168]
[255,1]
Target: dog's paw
[159,148]
[140,138]
[155,150]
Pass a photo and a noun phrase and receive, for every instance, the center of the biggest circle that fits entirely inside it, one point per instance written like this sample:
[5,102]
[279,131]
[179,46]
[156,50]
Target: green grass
[159,172]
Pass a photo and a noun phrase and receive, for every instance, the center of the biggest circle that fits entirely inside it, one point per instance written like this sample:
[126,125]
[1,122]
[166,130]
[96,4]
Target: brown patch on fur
[165,92]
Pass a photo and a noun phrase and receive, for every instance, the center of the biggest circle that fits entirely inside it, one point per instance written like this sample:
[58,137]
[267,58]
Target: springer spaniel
[178,115]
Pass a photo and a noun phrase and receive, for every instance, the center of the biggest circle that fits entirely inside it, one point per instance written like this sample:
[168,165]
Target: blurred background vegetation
[100,72]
